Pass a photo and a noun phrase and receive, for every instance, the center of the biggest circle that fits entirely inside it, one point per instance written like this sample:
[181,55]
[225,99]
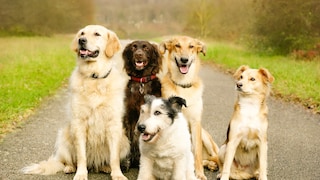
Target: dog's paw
[69,169]
[120,177]
[81,174]
[201,176]
[105,169]
[211,165]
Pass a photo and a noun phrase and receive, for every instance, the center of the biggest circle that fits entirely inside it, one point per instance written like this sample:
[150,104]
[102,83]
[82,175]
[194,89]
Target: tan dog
[182,79]
[94,138]
[244,154]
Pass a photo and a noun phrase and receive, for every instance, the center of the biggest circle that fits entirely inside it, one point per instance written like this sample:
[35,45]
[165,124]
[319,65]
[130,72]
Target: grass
[31,68]
[296,80]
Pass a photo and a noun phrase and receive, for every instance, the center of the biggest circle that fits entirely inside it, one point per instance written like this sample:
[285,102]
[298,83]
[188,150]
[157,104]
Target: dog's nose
[138,53]
[82,41]
[184,60]
[142,128]
[239,84]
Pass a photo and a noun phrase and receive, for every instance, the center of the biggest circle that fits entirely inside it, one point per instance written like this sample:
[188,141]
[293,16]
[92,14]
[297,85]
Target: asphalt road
[294,135]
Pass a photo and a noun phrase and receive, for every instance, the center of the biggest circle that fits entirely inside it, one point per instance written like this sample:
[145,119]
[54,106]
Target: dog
[94,139]
[180,53]
[244,153]
[142,62]
[164,142]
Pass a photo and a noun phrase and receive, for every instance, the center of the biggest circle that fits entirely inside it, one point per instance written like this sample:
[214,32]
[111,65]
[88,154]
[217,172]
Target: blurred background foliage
[272,26]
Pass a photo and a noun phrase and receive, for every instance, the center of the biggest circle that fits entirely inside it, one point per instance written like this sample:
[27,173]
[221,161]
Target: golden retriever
[164,142]
[94,138]
[182,79]
[244,153]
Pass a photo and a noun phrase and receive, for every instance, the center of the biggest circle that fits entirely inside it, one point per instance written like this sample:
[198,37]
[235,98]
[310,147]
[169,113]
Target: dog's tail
[51,166]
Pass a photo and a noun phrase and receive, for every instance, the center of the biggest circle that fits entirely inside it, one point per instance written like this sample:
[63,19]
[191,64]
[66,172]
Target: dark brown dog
[142,61]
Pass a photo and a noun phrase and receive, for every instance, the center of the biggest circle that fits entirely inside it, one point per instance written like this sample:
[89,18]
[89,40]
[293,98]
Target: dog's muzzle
[84,52]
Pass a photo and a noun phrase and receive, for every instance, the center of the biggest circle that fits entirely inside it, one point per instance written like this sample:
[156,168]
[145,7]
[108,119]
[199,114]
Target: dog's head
[156,115]
[141,56]
[183,50]
[253,81]
[94,41]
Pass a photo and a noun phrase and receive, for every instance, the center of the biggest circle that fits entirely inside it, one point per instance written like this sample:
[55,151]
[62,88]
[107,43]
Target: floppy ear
[74,43]
[267,77]
[166,45]
[113,44]
[239,71]
[156,57]
[127,55]
[177,102]
[149,98]
[201,47]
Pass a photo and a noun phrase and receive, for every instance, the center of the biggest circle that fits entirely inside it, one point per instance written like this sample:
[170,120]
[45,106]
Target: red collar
[143,79]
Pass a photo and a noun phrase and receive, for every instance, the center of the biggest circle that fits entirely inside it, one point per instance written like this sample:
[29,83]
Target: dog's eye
[241,77]
[252,79]
[144,46]
[82,33]
[191,46]
[97,34]
[178,46]
[134,46]
[156,113]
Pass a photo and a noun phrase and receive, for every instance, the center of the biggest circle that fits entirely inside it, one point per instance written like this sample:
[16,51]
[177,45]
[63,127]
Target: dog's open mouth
[183,68]
[146,137]
[85,53]
[140,64]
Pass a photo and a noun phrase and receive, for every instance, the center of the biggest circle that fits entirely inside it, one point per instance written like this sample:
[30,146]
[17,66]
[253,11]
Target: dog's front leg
[145,171]
[114,149]
[229,156]
[80,146]
[263,159]
[197,149]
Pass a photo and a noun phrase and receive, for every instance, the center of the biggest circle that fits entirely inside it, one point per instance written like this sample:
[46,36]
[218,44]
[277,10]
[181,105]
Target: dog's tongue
[139,64]
[146,137]
[85,52]
[184,69]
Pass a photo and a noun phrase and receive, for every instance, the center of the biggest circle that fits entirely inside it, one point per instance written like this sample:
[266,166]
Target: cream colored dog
[181,79]
[244,154]
[94,138]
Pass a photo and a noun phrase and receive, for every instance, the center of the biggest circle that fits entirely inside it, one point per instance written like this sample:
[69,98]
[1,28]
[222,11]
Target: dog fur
[142,62]
[165,142]
[94,138]
[182,79]
[244,153]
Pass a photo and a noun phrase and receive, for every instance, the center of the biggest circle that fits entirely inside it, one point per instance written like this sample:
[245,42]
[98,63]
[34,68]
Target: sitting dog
[94,137]
[141,62]
[164,142]
[244,153]
[181,78]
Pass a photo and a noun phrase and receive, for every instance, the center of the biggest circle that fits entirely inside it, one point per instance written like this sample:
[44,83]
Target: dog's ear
[166,45]
[156,57]
[127,55]
[267,77]
[75,42]
[149,98]
[113,44]
[177,102]
[239,71]
[201,47]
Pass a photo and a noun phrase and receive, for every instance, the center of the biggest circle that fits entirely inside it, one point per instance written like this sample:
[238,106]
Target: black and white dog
[164,142]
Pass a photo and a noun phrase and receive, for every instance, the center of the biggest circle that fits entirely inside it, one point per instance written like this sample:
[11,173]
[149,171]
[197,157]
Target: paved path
[294,134]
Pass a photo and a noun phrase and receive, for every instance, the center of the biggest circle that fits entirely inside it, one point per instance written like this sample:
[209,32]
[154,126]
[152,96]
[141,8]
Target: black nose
[142,128]
[82,41]
[184,60]
[239,84]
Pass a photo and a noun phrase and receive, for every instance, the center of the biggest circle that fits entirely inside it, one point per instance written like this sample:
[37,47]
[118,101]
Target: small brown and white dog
[94,139]
[164,141]
[244,153]
[182,79]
